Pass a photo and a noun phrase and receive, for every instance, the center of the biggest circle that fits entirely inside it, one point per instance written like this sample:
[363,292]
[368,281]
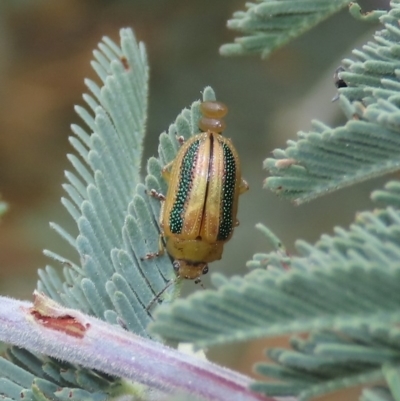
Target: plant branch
[47,328]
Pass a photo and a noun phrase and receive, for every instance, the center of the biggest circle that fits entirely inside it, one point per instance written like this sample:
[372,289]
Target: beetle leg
[156,194]
[160,252]
[244,186]
[180,139]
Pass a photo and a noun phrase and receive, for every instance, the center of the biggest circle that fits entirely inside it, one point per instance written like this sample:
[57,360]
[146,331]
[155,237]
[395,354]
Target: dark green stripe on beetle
[228,189]
[185,181]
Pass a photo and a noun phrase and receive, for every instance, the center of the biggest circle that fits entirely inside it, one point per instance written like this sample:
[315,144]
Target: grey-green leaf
[326,159]
[270,24]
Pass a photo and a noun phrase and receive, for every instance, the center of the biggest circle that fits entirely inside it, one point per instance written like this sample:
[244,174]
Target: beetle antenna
[157,297]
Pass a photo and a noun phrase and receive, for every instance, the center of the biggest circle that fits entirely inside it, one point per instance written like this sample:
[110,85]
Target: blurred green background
[45,53]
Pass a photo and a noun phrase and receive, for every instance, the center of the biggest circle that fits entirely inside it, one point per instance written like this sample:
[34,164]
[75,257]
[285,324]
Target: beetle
[198,213]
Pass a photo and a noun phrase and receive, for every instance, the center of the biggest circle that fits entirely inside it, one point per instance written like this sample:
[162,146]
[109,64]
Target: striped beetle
[198,214]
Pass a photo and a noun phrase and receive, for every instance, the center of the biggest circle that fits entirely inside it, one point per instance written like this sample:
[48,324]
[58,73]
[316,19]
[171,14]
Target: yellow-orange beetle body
[198,215]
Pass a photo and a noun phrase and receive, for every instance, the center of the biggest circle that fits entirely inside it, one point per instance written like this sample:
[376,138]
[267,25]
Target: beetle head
[190,270]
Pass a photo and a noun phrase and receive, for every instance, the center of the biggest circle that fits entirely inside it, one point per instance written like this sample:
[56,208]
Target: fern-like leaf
[112,210]
[381,393]
[106,197]
[270,24]
[328,361]
[348,282]
[326,159]
[33,377]
[390,196]
[101,201]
